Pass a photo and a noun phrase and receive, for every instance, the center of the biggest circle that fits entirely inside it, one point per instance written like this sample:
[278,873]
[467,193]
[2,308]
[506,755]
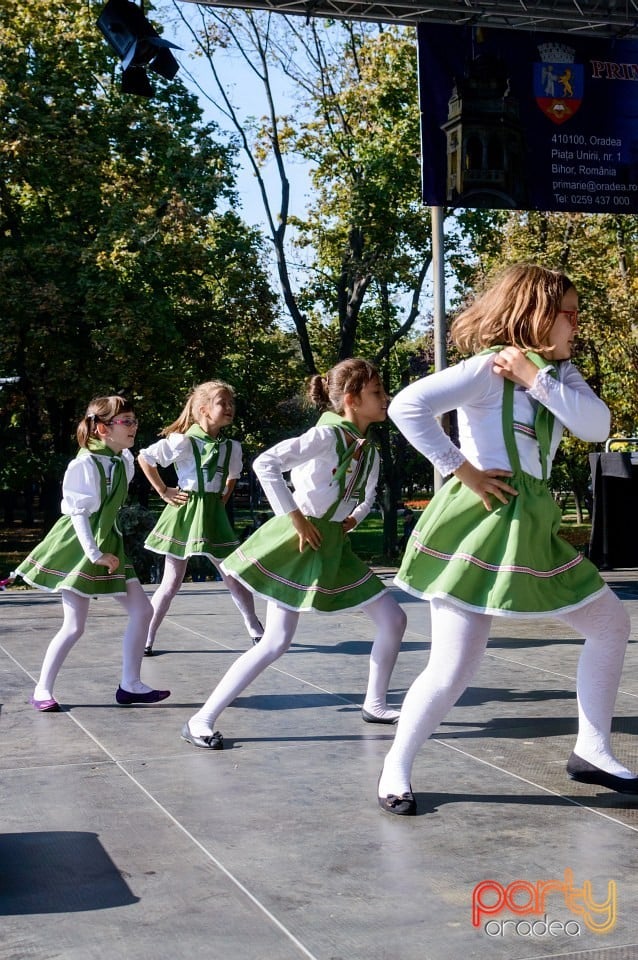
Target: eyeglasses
[572,316]
[128,422]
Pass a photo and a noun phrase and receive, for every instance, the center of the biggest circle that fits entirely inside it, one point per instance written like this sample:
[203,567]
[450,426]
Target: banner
[528,121]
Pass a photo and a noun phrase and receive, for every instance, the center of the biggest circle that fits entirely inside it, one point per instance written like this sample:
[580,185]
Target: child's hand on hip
[108,560]
[306,530]
[486,483]
[348,524]
[175,496]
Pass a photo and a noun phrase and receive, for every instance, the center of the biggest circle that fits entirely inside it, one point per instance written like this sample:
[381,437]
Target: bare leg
[390,621]
[280,629]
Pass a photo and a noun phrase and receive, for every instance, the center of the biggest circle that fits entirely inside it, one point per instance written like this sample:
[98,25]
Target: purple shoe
[124,698]
[45,706]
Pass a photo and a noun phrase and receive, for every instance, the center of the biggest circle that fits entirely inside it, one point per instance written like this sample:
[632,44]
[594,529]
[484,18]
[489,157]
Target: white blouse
[476,392]
[312,459]
[81,496]
[176,449]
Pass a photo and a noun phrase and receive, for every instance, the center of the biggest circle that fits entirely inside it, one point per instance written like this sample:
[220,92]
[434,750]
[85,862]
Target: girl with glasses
[83,555]
[487,544]
[194,522]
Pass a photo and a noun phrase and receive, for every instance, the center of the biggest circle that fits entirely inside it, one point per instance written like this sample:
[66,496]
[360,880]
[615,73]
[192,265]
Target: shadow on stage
[58,871]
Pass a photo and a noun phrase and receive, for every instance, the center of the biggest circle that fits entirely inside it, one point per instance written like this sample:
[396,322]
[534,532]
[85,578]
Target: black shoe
[149,652]
[213,741]
[370,718]
[403,806]
[124,698]
[585,772]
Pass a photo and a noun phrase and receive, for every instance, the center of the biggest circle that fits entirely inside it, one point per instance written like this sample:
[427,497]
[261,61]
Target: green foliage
[599,253]
[135,523]
[365,236]
[367,229]
[122,262]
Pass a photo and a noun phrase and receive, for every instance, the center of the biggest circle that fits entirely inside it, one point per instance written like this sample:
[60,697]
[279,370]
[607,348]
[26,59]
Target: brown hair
[200,395]
[100,410]
[517,309]
[349,376]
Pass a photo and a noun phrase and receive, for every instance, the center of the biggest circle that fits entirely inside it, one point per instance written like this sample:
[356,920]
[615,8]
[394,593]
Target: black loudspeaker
[614,529]
[138,46]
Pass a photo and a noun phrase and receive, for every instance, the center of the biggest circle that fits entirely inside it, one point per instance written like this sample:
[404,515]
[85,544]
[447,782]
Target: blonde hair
[518,309]
[100,410]
[198,397]
[349,376]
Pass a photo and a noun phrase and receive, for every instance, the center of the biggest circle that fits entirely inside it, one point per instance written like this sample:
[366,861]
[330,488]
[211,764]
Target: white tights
[76,608]
[172,579]
[389,620]
[459,638]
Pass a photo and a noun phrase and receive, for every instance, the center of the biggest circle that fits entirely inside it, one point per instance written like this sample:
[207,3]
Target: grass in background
[367,539]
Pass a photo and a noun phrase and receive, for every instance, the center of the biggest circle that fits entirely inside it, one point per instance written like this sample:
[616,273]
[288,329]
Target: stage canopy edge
[600,18]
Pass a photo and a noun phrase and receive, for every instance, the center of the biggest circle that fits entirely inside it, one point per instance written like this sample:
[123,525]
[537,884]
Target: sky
[248,97]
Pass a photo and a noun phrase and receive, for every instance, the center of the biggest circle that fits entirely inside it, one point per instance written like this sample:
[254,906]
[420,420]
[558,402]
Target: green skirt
[198,528]
[327,580]
[508,562]
[59,563]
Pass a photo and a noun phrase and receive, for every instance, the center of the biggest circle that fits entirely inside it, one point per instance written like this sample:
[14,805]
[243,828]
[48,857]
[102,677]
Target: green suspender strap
[345,454]
[117,488]
[112,495]
[209,462]
[543,422]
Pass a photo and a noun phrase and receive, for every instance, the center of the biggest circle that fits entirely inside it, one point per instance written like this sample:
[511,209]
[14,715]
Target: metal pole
[438,279]
[438,283]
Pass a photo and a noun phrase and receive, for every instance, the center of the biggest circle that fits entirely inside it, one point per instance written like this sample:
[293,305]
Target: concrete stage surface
[119,839]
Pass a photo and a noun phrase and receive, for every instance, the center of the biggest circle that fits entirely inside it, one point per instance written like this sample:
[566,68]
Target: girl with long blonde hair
[194,522]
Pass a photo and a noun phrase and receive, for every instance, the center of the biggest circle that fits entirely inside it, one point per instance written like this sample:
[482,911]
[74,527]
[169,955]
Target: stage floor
[120,839]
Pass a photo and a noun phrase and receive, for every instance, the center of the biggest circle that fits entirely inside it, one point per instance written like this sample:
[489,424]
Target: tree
[366,225]
[356,124]
[212,31]
[365,234]
[599,252]
[122,262]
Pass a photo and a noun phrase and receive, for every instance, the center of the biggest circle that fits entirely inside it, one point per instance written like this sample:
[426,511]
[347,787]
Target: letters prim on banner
[528,121]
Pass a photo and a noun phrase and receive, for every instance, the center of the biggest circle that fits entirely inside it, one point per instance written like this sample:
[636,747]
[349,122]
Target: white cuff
[449,462]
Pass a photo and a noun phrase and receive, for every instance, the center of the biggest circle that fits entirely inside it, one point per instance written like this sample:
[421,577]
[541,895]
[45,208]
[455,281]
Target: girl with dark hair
[301,559]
